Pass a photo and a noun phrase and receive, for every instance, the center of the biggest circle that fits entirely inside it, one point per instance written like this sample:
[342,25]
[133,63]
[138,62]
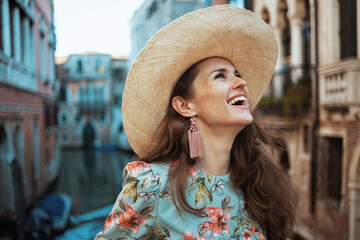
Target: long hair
[268,191]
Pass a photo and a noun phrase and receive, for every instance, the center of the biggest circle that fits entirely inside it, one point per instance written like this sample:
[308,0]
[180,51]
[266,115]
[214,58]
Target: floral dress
[144,209]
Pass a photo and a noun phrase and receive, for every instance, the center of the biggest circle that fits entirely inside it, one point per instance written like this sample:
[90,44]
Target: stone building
[29,158]
[84,85]
[90,89]
[118,68]
[313,101]
[153,15]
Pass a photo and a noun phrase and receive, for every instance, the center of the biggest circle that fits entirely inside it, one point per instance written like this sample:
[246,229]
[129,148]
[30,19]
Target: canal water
[93,179]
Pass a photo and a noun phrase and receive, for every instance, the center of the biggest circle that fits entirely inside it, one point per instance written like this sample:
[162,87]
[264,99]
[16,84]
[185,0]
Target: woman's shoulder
[138,169]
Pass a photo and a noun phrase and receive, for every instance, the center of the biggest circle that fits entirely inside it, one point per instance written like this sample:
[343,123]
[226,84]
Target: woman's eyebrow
[222,70]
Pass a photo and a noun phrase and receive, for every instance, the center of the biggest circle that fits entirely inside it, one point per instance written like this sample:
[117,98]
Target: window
[36,149]
[99,66]
[152,9]
[102,117]
[64,119]
[3,143]
[12,27]
[23,36]
[42,54]
[306,138]
[248,4]
[348,28]
[79,66]
[330,169]
[63,93]
[100,96]
[55,113]
[1,27]
[64,137]
[47,115]
[284,24]
[77,118]
[265,15]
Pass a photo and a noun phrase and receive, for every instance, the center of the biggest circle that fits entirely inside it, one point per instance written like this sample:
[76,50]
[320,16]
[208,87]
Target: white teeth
[241,98]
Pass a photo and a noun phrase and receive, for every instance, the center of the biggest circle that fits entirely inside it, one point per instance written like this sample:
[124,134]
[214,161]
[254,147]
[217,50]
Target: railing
[92,107]
[286,77]
[13,73]
[340,85]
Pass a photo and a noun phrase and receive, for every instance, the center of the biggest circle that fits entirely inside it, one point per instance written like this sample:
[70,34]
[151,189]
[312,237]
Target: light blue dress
[144,209]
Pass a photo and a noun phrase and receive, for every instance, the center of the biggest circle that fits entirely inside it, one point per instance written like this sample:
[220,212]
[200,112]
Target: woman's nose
[238,82]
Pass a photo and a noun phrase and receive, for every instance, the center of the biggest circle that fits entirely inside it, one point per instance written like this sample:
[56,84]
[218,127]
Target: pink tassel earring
[195,141]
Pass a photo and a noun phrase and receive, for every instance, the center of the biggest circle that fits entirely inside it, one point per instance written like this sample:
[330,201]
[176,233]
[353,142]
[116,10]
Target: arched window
[283,24]
[19,149]
[265,15]
[36,149]
[3,143]
[62,93]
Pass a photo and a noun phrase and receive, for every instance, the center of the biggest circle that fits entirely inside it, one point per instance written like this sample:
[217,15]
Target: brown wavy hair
[268,191]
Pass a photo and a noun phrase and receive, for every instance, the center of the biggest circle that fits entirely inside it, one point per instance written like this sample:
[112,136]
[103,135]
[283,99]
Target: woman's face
[220,95]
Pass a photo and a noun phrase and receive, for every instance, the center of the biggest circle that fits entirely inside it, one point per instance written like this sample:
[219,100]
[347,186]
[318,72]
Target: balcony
[15,74]
[340,85]
[288,94]
[97,107]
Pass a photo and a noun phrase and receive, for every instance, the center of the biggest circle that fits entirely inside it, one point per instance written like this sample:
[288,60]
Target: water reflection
[93,179]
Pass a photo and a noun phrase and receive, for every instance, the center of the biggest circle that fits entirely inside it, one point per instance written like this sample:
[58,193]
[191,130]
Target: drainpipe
[314,109]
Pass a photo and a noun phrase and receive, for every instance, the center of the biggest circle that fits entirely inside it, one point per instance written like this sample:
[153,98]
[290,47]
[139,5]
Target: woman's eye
[220,75]
[237,75]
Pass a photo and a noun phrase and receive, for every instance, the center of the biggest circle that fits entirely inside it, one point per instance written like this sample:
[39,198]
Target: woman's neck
[217,147]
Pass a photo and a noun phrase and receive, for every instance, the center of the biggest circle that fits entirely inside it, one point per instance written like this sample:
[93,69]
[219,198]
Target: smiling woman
[188,109]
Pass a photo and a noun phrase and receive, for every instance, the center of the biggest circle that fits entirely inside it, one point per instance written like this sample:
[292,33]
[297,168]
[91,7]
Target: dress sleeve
[133,214]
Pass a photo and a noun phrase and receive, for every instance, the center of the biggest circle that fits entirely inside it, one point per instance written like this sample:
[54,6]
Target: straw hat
[220,31]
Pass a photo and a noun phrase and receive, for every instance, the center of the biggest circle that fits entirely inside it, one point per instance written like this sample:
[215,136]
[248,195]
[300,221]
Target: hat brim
[221,31]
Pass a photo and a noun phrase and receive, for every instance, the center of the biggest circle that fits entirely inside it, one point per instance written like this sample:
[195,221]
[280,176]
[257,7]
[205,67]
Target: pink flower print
[188,235]
[218,219]
[109,219]
[199,238]
[137,166]
[247,234]
[130,219]
[192,171]
[254,229]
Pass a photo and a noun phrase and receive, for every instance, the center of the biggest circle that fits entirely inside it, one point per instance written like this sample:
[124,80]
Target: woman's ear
[182,106]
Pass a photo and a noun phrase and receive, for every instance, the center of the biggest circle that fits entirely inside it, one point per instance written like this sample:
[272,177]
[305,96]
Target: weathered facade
[29,158]
[84,100]
[118,68]
[313,101]
[90,87]
[153,15]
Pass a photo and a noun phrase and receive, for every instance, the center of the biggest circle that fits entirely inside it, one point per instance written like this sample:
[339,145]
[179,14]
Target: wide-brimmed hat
[220,31]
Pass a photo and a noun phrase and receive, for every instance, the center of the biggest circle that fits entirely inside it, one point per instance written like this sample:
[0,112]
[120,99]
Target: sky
[93,25]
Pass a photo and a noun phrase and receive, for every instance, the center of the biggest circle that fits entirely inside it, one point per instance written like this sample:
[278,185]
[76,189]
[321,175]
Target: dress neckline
[225,177]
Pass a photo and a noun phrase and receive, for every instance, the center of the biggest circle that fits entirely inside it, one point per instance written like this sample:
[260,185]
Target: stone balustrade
[15,74]
[340,85]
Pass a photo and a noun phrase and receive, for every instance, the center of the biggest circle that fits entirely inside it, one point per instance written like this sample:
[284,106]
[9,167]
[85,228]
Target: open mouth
[238,101]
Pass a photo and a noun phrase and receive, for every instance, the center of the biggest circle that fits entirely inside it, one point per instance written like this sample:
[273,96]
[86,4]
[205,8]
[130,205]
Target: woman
[188,107]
